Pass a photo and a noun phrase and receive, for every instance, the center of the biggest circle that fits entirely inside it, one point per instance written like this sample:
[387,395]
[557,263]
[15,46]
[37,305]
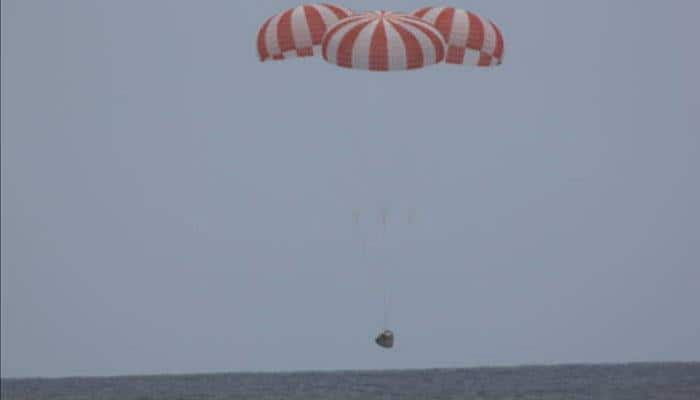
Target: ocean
[663,381]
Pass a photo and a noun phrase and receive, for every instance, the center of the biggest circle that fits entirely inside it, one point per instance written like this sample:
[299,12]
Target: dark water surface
[670,381]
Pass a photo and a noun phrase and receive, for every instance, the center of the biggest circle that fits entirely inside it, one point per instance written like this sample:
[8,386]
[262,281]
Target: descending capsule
[385,339]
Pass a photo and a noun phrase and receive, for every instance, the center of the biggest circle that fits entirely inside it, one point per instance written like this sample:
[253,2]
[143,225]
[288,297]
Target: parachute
[471,39]
[383,41]
[298,31]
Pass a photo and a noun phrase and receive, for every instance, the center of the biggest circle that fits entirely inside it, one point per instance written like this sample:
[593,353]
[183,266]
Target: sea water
[671,381]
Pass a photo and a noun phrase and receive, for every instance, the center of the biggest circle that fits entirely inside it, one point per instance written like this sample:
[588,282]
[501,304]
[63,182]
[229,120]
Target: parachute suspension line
[384,214]
[387,299]
[358,231]
[386,310]
[385,217]
[364,246]
[381,261]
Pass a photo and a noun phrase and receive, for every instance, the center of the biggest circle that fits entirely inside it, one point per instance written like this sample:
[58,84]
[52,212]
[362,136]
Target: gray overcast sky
[170,204]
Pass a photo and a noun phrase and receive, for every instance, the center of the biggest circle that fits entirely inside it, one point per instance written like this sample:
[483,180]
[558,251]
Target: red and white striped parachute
[471,39]
[297,31]
[383,41]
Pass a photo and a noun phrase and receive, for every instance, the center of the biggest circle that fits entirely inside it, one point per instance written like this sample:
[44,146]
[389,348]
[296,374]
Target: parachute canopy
[383,41]
[471,39]
[297,31]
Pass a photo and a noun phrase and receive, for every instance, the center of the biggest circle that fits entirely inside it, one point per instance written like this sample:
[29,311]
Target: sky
[172,205]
